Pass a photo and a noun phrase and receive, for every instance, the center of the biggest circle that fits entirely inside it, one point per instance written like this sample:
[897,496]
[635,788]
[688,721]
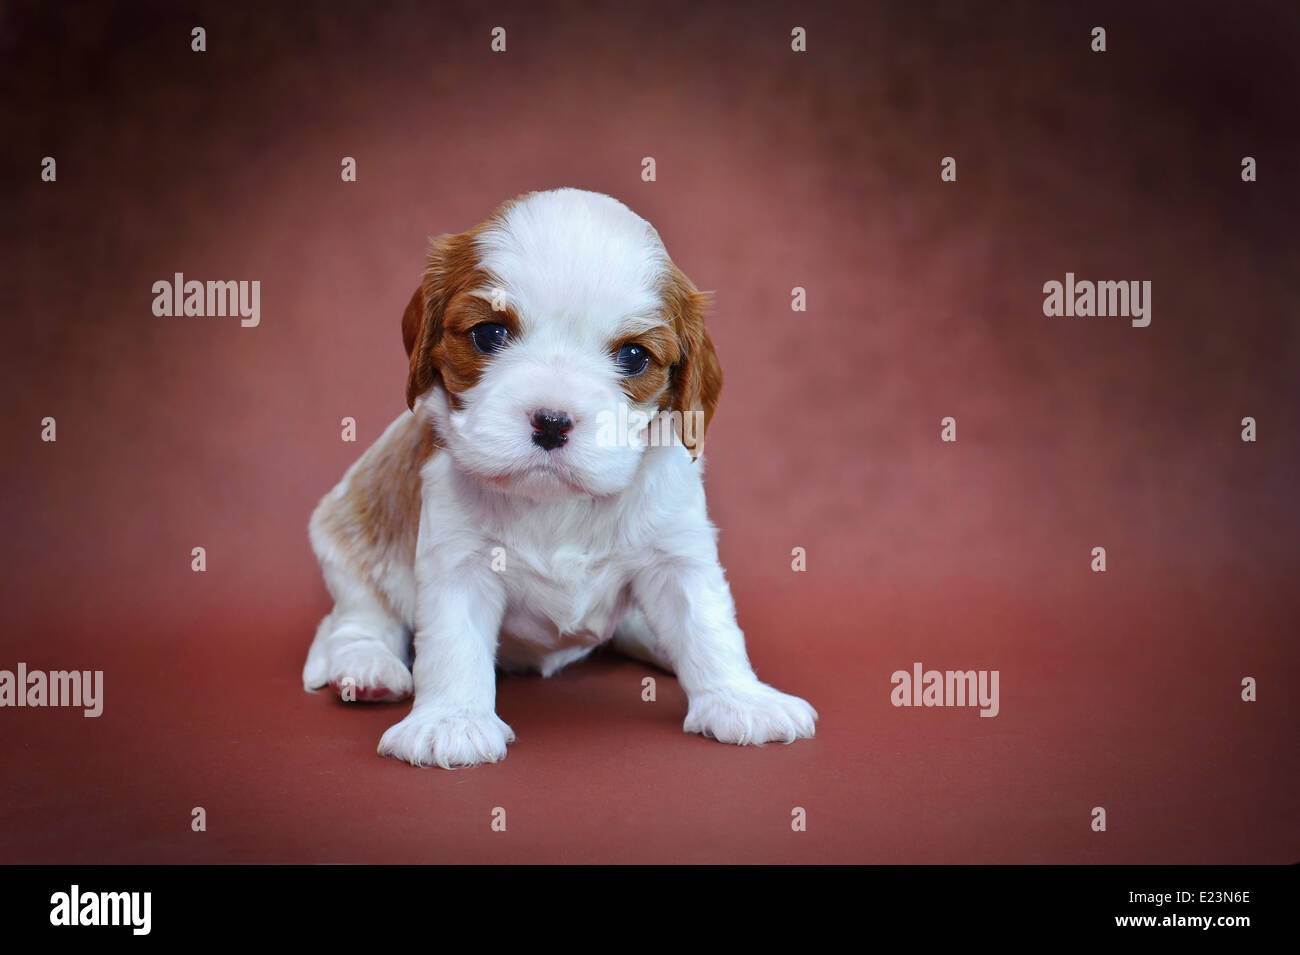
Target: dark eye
[632,360]
[489,337]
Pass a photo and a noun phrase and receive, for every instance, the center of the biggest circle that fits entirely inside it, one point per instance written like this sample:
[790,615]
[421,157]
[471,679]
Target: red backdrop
[775,169]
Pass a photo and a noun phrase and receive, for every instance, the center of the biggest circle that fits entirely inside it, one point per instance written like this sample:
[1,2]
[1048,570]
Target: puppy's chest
[562,591]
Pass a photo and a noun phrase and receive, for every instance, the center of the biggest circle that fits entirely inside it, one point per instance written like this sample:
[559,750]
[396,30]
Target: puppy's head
[554,342]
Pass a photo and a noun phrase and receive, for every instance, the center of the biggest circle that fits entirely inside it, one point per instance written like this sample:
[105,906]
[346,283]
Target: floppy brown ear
[420,332]
[413,320]
[450,266]
[697,375]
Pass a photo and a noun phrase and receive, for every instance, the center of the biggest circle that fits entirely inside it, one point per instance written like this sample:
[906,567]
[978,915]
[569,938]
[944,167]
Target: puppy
[543,497]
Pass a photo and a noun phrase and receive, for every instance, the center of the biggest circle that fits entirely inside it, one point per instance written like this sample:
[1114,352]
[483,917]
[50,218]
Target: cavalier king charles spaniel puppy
[543,495]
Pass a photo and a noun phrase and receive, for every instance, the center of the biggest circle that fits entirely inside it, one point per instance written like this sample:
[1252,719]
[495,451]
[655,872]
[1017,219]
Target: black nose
[551,429]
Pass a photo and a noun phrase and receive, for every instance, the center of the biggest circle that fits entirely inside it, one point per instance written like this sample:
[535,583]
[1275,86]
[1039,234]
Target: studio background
[775,169]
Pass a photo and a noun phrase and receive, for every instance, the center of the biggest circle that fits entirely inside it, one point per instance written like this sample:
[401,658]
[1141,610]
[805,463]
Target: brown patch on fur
[697,374]
[413,319]
[373,517]
[435,328]
[661,343]
[453,269]
[459,362]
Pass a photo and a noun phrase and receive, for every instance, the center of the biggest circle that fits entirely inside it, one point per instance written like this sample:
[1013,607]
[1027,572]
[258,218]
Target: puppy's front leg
[688,605]
[453,722]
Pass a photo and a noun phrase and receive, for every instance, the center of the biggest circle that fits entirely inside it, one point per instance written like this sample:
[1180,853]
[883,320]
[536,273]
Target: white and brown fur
[457,544]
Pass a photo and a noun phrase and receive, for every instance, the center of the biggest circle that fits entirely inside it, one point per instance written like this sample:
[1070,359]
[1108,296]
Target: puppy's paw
[315,672]
[750,713]
[449,740]
[368,672]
